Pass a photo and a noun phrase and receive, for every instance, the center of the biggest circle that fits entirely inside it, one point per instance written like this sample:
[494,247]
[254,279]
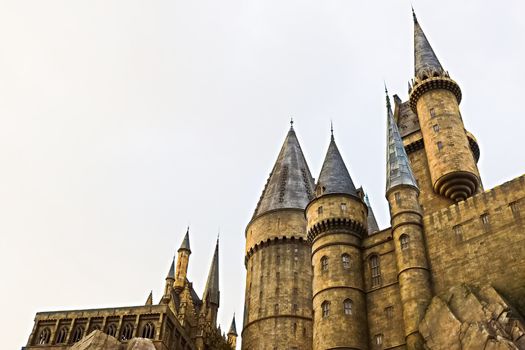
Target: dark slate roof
[398,170]
[233,328]
[211,291]
[186,242]
[290,184]
[371,219]
[149,301]
[334,176]
[425,60]
[171,273]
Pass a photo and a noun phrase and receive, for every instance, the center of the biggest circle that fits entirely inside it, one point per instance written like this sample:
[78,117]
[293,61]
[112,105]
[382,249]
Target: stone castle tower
[449,273]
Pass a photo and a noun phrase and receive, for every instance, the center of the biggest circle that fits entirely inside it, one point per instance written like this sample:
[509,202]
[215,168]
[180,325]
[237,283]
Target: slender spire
[211,291]
[398,170]
[371,219]
[171,273]
[290,184]
[149,301]
[334,176]
[331,130]
[426,63]
[233,327]
[186,241]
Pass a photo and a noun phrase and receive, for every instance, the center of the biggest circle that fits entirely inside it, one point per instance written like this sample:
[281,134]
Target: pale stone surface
[140,344]
[97,340]
[470,318]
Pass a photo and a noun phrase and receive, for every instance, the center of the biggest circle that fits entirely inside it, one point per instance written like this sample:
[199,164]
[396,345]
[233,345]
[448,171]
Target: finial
[291,122]
[332,129]
[414,14]
[387,98]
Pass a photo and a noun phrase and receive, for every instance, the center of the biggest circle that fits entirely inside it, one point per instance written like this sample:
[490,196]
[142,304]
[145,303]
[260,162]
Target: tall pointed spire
[371,219]
[426,63]
[171,273]
[233,327]
[398,170]
[211,291]
[334,176]
[290,184]
[186,241]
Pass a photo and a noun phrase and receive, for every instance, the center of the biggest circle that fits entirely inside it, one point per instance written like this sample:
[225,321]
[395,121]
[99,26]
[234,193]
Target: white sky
[121,122]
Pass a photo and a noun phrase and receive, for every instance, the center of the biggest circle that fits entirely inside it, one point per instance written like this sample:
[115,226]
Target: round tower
[337,221]
[278,300]
[402,194]
[435,98]
[183,260]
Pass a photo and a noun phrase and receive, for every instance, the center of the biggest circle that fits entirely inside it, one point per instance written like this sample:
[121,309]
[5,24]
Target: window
[375,270]
[379,339]
[347,307]
[295,308]
[78,334]
[458,232]
[294,328]
[345,258]
[404,239]
[439,145]
[62,334]
[278,260]
[325,307]
[397,197]
[343,206]
[389,312]
[485,219]
[148,331]
[432,113]
[436,128]
[324,263]
[44,336]
[127,332]
[276,309]
[515,208]
[320,210]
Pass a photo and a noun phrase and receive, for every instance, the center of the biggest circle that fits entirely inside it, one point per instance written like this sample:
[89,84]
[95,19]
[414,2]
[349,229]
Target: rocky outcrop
[472,318]
[98,340]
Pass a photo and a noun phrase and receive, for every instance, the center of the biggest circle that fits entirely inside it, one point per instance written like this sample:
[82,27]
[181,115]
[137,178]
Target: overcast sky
[121,122]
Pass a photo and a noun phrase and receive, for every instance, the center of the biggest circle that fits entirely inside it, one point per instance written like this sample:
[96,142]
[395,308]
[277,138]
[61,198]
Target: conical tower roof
[211,291]
[290,184]
[426,62]
[186,242]
[371,219]
[149,301]
[398,170]
[334,176]
[171,272]
[233,327]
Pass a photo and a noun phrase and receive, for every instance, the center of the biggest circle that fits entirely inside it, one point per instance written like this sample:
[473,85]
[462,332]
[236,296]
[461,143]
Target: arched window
[345,259]
[127,332]
[375,270]
[111,330]
[148,331]
[347,306]
[324,263]
[78,334]
[62,334]
[325,307]
[44,336]
[403,240]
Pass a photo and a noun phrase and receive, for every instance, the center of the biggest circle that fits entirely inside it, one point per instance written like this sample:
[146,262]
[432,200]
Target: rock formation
[98,340]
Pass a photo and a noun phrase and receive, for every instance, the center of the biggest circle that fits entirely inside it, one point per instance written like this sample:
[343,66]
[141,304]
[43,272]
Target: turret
[232,334]
[170,278]
[337,223]
[435,98]
[278,309]
[211,295]
[183,260]
[402,193]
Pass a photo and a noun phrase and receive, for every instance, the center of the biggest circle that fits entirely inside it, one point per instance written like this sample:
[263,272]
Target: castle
[448,274]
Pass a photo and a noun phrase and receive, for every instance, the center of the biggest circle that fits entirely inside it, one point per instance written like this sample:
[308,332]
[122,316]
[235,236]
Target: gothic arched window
[111,330]
[403,240]
[148,331]
[345,259]
[62,334]
[324,263]
[325,307]
[44,336]
[127,332]
[78,333]
[347,306]
[375,270]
